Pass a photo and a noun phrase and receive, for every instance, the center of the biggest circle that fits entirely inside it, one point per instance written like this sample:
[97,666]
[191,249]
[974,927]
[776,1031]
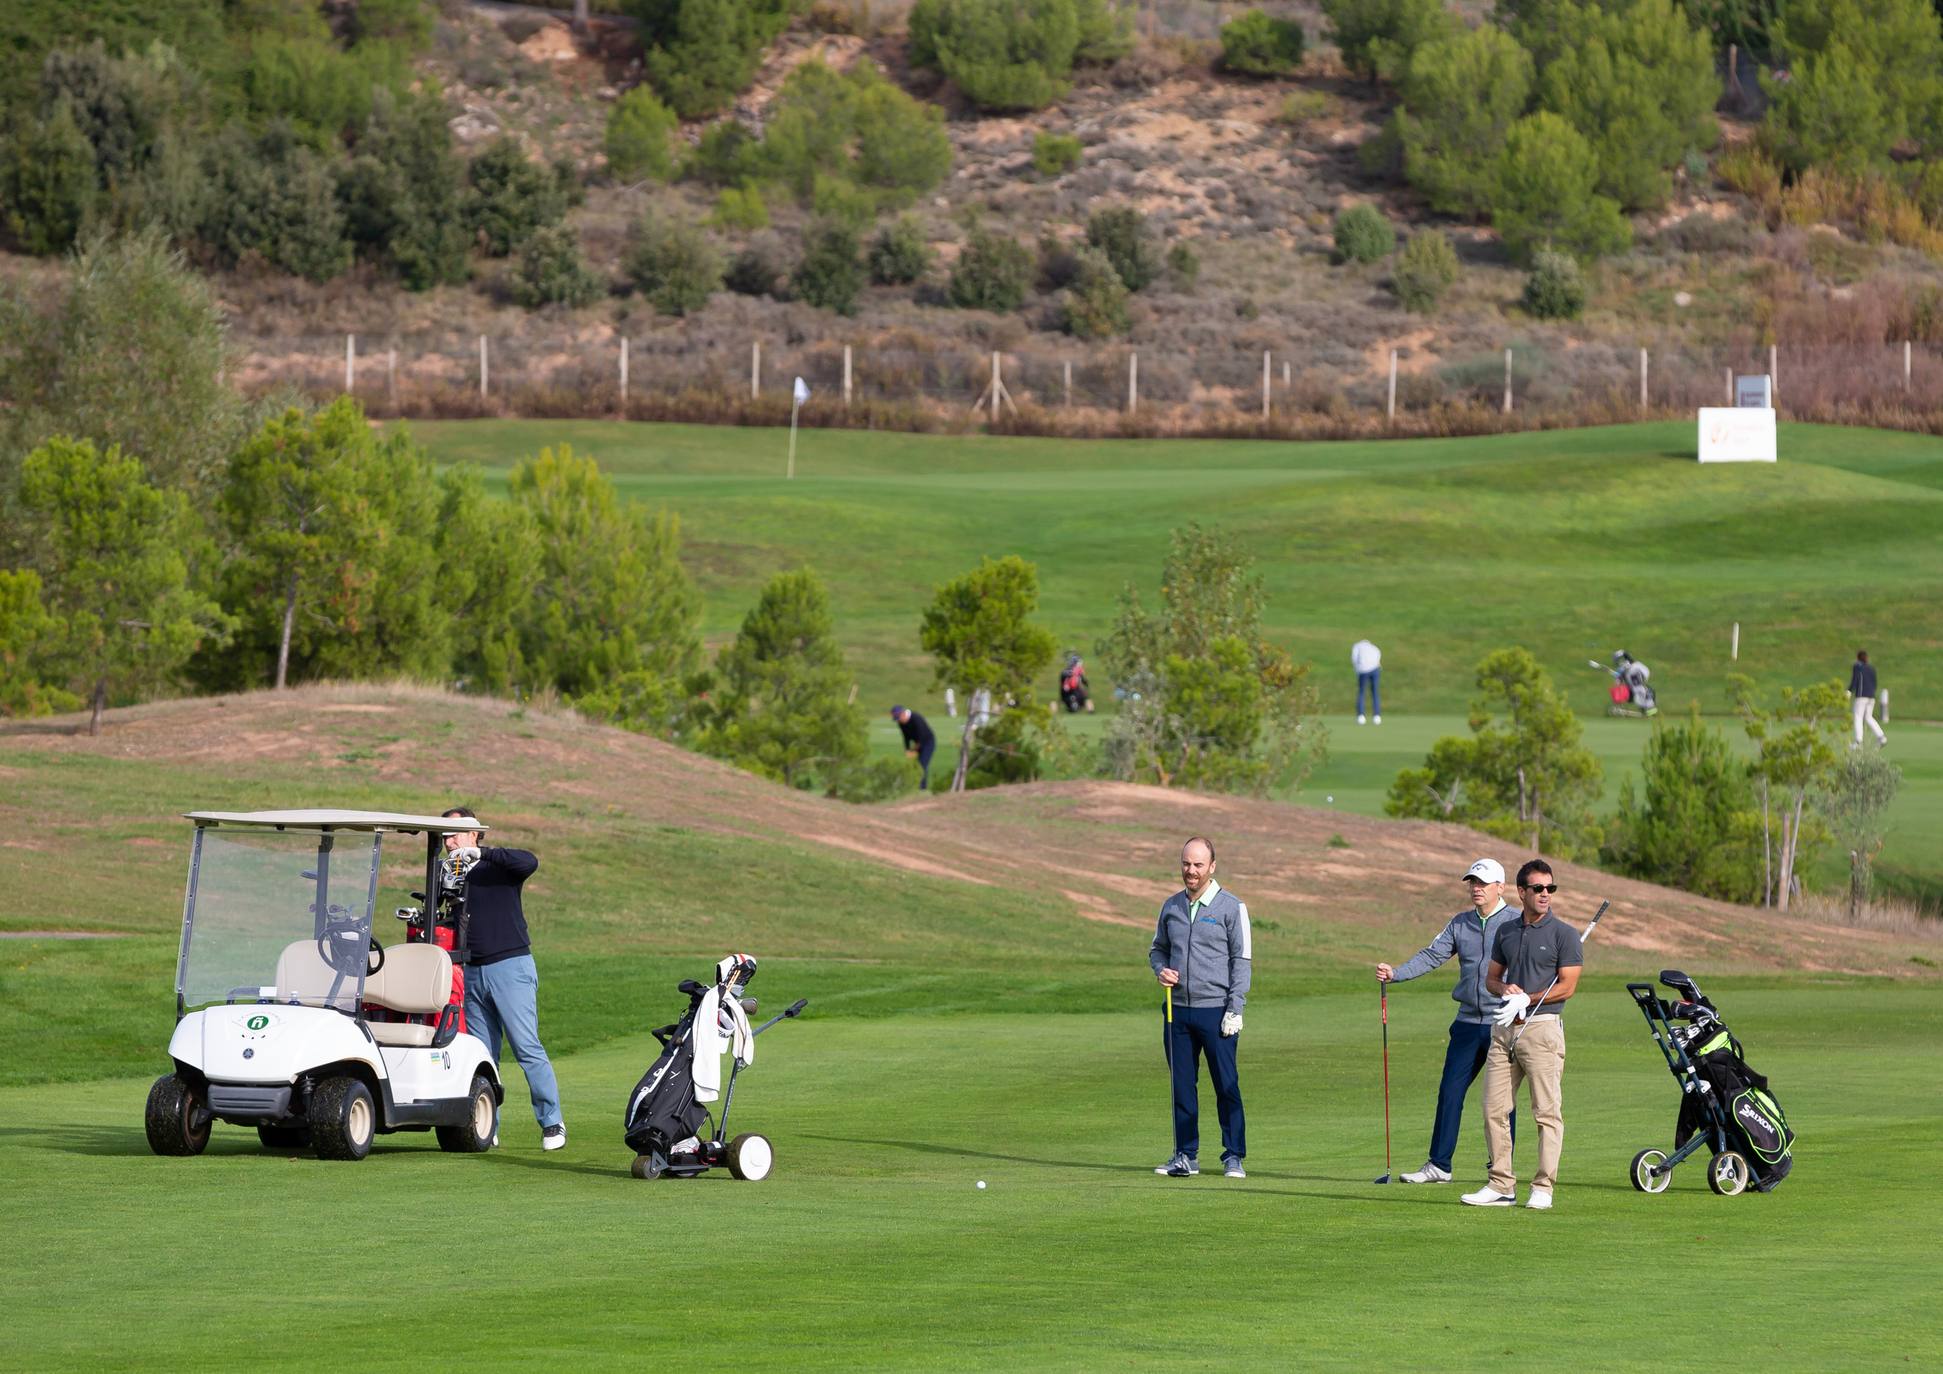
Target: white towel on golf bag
[711,1038]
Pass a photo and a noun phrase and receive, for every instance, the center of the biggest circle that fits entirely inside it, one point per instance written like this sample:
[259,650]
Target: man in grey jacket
[1202,951]
[1468,935]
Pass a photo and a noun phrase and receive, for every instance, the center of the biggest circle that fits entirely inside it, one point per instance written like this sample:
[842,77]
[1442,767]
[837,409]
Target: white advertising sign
[1737,435]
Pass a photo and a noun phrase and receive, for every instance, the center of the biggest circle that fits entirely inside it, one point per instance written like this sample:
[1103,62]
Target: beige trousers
[1539,1059]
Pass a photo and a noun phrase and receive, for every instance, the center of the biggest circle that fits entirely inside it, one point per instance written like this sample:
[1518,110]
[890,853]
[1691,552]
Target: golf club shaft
[1531,1011]
[1384,996]
[1167,1040]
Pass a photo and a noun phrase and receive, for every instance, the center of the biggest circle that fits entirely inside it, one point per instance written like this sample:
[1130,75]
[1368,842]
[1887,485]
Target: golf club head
[1384,1179]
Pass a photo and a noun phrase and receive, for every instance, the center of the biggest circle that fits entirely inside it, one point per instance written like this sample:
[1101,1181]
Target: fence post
[1390,410]
[996,384]
[623,374]
[1642,379]
[1265,383]
[1905,365]
[1285,374]
[1730,386]
[1734,644]
[391,375]
[350,364]
[1507,381]
[1069,384]
[482,367]
[846,376]
[1884,694]
[1774,375]
[755,370]
[1133,382]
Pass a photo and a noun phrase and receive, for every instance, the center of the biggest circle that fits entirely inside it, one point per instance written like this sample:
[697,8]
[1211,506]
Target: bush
[759,269]
[1054,154]
[509,196]
[552,271]
[1424,271]
[728,155]
[1300,107]
[403,192]
[701,53]
[1185,264]
[1094,306]
[1459,98]
[992,273]
[1257,44]
[275,198]
[1555,290]
[1003,54]
[899,254]
[640,137]
[1546,194]
[674,264]
[741,207]
[1120,232]
[48,183]
[829,275]
[1861,77]
[1377,37]
[1363,235]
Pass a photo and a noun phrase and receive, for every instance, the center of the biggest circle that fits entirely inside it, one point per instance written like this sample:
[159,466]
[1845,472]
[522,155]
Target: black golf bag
[1755,1125]
[1074,693]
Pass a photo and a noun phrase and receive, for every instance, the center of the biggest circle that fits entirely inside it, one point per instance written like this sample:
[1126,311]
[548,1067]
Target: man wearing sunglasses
[1468,935]
[1535,964]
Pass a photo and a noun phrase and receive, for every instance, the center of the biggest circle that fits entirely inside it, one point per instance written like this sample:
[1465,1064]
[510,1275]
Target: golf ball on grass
[1330,799]
[981,1183]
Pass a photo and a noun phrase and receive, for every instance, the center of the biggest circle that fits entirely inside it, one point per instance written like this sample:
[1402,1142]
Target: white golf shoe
[1430,1173]
[1540,1199]
[554,1137]
[1487,1196]
[1362,720]
[1379,720]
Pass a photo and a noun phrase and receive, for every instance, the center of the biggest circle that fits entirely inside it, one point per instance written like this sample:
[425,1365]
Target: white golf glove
[469,853]
[1230,1024]
[1513,1008]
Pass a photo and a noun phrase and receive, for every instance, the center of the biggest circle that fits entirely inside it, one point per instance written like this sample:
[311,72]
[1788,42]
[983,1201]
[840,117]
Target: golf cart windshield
[281,915]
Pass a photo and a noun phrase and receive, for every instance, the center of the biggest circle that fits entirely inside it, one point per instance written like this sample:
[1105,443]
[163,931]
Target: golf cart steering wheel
[338,948]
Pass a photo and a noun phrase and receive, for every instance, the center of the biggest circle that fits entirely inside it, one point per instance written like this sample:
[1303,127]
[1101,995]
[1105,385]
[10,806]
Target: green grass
[871,1247]
[1572,543]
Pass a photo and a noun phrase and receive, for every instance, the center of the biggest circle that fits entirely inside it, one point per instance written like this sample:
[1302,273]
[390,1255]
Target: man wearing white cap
[1468,935]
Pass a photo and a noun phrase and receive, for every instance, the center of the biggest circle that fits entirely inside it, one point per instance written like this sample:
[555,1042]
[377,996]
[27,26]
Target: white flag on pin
[802,391]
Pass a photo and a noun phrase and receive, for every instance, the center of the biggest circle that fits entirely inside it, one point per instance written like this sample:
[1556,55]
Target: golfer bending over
[1201,951]
[502,982]
[1468,935]
[1535,964]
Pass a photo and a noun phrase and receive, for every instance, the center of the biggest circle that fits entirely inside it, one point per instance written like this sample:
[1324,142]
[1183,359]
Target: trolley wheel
[751,1158]
[646,1166]
[1728,1173]
[1644,1179]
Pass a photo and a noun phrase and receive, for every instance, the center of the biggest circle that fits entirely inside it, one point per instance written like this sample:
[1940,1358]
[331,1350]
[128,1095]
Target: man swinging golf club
[1201,957]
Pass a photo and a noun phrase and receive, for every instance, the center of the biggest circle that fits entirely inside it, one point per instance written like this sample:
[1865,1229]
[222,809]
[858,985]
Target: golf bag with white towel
[667,1122]
[1632,694]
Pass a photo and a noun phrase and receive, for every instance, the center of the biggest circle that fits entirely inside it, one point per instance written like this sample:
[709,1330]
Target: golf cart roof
[338,820]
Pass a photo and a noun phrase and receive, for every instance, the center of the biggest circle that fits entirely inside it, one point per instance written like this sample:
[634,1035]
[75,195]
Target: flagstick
[794,406]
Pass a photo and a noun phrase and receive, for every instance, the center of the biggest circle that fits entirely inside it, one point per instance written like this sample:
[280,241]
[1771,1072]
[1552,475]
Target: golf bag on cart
[1074,693]
[666,1116]
[1631,695]
[1725,1106]
[444,923]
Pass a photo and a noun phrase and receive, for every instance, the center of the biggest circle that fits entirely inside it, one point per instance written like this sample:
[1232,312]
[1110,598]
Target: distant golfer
[1535,966]
[1201,951]
[1468,935]
[919,742]
[1367,660]
[1862,690]
[502,981]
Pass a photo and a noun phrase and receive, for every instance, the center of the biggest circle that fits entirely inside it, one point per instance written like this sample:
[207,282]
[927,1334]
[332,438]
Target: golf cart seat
[417,980]
[303,976]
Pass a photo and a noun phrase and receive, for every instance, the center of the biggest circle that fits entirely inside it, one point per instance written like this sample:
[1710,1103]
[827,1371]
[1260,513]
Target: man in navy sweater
[1862,691]
[919,741]
[502,982]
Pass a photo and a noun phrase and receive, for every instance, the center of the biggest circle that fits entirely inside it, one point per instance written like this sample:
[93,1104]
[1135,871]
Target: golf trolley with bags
[1725,1107]
[665,1118]
[292,1018]
[1630,693]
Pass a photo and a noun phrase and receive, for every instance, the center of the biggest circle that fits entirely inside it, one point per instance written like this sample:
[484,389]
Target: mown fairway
[1572,543]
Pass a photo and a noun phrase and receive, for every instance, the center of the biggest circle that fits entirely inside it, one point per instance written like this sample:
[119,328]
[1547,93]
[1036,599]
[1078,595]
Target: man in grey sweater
[1468,935]
[1201,951]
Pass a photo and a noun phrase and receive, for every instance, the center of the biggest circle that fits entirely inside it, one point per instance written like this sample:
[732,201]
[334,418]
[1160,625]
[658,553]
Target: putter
[1383,994]
[1584,935]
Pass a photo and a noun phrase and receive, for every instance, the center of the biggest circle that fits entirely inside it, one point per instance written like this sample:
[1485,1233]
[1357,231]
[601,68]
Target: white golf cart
[290,1017]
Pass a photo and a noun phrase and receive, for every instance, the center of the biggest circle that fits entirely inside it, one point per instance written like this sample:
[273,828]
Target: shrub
[1120,232]
[1459,99]
[48,183]
[728,155]
[1300,107]
[741,207]
[758,269]
[640,135]
[1094,306]
[899,254]
[1861,77]
[116,103]
[1257,44]
[829,275]
[1003,54]
[272,196]
[1425,269]
[509,196]
[1185,264]
[674,264]
[403,192]
[848,144]
[1363,235]
[1105,31]
[1546,194]
[702,52]
[992,273]
[1555,290]
[1377,37]
[1054,154]
[552,271]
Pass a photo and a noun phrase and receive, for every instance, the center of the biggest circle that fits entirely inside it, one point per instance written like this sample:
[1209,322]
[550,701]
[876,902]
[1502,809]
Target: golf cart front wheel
[482,1119]
[1728,1174]
[343,1119]
[1644,1179]
[751,1158]
[176,1118]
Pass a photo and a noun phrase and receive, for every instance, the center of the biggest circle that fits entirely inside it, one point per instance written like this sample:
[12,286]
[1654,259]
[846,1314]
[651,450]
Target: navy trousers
[1463,1062]
[1197,1031]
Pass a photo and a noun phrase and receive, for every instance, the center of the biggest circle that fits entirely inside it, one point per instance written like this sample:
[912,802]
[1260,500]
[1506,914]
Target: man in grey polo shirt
[1535,964]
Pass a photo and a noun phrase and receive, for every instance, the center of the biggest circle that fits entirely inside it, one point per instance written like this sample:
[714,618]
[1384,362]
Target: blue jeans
[505,997]
[924,765]
[1197,1030]
[1369,680]
[1463,1061]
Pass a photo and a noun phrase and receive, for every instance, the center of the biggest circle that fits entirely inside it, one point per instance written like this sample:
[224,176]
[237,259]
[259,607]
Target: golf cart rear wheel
[176,1118]
[343,1119]
[1644,1179]
[284,1137]
[475,1136]
[1728,1173]
[751,1158]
